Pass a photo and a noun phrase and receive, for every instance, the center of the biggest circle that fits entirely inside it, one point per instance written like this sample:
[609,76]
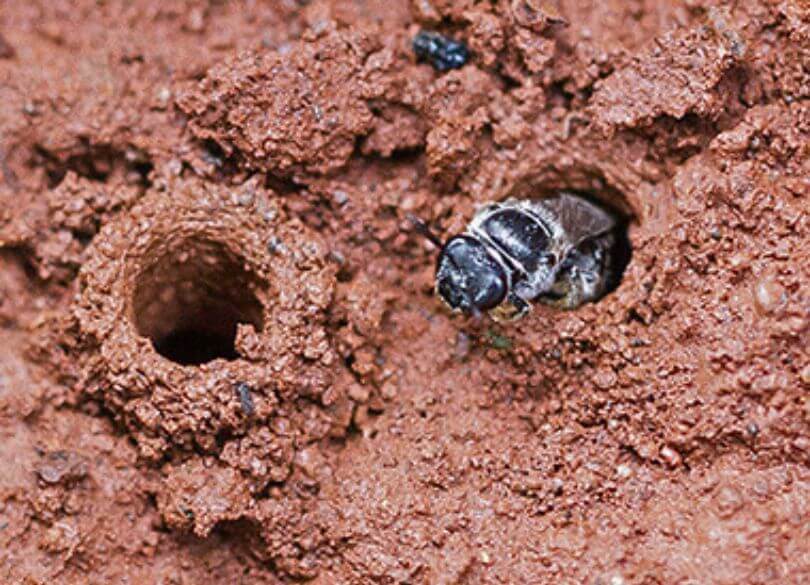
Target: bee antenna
[422,228]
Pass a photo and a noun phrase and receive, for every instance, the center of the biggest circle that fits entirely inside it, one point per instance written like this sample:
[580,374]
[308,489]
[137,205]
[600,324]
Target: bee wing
[579,218]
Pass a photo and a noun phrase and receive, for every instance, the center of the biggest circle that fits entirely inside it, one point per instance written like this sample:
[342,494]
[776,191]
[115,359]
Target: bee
[559,251]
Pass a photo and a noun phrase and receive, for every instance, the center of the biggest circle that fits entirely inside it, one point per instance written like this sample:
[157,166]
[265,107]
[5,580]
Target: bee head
[468,278]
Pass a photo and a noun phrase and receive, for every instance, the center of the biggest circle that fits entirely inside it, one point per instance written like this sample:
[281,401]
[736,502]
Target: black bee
[557,251]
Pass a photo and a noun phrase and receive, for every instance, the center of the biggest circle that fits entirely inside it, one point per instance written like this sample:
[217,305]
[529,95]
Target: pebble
[358,393]
[605,379]
[340,197]
[163,97]
[728,501]
[671,457]
[557,486]
[805,375]
[61,466]
[462,347]
[389,390]
[310,461]
[243,392]
[442,52]
[802,444]
[275,246]
[769,295]
[245,199]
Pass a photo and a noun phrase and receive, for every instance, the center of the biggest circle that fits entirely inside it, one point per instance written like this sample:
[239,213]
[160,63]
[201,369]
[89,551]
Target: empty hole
[190,299]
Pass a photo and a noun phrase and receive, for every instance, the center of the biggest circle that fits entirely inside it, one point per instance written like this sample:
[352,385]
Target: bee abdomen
[519,236]
[584,275]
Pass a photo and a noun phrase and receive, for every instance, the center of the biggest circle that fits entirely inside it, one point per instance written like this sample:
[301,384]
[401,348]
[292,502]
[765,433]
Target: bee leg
[565,291]
[512,309]
[561,296]
[520,305]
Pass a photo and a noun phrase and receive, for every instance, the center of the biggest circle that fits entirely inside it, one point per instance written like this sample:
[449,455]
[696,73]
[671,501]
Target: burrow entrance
[189,299]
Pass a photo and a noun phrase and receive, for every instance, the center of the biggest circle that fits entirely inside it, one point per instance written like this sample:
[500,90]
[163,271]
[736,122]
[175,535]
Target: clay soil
[221,359]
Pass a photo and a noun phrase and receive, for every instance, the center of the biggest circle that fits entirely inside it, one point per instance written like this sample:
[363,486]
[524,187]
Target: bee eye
[468,278]
[489,288]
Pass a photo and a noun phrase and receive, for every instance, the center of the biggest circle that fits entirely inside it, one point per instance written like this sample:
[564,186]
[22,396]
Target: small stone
[462,348]
[174,167]
[245,199]
[769,295]
[805,375]
[557,486]
[728,501]
[61,467]
[163,97]
[195,21]
[425,11]
[802,444]
[535,14]
[623,471]
[309,461]
[244,393]
[358,393]
[442,52]
[337,257]
[270,214]
[671,457]
[275,246]
[605,379]
[389,390]
[340,197]
[361,417]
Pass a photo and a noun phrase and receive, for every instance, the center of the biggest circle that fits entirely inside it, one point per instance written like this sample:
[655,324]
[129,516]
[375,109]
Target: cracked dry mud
[221,360]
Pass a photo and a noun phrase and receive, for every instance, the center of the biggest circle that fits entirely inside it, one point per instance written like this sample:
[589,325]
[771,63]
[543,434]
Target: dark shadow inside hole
[190,299]
[621,254]
[189,347]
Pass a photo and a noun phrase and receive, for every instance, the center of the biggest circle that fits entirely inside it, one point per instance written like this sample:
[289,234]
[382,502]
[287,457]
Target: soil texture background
[221,358]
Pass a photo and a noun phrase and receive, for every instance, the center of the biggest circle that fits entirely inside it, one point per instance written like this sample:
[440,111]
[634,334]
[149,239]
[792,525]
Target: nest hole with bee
[189,299]
[564,250]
